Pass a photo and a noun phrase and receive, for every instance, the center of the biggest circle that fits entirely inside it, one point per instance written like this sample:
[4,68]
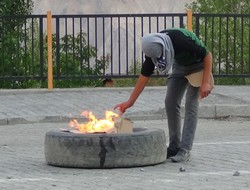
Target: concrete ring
[100,150]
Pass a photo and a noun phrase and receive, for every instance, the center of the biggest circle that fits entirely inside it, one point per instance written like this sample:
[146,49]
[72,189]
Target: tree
[14,33]
[220,6]
[73,61]
[225,34]
[16,7]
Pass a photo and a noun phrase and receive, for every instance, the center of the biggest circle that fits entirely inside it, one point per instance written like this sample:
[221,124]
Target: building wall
[109,6]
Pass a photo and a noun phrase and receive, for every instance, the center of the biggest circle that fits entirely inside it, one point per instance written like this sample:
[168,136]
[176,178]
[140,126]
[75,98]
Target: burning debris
[112,123]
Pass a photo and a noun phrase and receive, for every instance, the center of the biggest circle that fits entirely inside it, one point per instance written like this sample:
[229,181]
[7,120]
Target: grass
[131,82]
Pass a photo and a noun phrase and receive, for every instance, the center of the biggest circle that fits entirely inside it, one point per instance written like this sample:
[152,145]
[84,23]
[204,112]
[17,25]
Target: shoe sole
[177,161]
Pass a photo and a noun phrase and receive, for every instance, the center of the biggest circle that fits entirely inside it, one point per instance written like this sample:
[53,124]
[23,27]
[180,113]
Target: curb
[205,112]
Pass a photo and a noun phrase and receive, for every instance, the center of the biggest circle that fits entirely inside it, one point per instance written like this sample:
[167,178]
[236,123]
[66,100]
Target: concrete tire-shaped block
[141,148]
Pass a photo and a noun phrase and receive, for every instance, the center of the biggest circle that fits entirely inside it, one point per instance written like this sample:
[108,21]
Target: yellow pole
[49,41]
[189,20]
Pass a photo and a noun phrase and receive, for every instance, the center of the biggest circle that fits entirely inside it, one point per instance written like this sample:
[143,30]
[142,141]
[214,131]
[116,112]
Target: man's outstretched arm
[139,86]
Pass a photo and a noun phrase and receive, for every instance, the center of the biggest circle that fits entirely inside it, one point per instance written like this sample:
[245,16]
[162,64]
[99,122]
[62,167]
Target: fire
[95,125]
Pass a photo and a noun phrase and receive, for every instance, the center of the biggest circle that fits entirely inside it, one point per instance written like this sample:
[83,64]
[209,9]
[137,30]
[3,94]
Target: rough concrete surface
[220,156]
[41,105]
[220,160]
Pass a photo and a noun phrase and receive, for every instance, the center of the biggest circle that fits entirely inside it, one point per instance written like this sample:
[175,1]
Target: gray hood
[159,48]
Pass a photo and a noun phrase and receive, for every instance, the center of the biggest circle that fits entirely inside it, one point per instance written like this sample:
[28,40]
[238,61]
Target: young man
[187,55]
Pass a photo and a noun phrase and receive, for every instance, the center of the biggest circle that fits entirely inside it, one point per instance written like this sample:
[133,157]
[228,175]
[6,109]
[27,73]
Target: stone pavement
[41,105]
[220,161]
[220,156]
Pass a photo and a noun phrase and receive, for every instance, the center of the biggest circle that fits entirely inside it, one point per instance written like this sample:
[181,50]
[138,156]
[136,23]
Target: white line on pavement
[218,143]
[218,173]
[25,180]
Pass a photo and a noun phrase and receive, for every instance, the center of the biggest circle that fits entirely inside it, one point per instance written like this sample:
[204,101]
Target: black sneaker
[172,152]
[181,156]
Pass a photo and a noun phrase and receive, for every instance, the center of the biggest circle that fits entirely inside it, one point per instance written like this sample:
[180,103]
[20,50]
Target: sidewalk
[220,155]
[219,161]
[41,105]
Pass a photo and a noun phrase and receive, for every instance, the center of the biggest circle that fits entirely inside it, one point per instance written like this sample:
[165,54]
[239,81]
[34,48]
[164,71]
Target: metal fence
[228,38]
[97,46]
[22,48]
[91,45]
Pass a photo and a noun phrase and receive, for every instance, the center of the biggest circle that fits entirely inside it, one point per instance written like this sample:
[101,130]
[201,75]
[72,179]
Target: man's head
[152,46]
[159,48]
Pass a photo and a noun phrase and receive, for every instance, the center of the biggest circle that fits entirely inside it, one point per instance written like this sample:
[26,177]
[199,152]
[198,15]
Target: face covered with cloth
[159,47]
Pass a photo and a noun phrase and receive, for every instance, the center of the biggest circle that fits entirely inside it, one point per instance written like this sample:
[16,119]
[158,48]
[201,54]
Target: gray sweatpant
[177,86]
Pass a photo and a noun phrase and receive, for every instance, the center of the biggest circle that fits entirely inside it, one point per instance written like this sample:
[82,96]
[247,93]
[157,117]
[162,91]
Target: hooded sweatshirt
[160,49]
[189,53]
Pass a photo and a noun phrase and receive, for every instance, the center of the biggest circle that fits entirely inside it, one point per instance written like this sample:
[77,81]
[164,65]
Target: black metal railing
[94,46]
[22,44]
[228,38]
[105,44]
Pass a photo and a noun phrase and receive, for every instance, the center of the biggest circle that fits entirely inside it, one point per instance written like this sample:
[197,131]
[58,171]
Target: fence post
[49,41]
[189,20]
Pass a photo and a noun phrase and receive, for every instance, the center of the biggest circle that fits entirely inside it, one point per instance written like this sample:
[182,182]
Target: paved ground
[41,105]
[221,148]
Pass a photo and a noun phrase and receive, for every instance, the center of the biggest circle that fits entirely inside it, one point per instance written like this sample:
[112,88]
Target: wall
[109,6]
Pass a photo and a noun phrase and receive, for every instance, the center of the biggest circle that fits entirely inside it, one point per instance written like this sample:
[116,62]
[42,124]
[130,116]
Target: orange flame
[94,125]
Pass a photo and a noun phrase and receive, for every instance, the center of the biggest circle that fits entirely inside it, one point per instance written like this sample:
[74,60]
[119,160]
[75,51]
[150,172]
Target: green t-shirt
[188,48]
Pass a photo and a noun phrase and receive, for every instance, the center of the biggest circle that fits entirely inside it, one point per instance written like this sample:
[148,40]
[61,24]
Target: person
[181,50]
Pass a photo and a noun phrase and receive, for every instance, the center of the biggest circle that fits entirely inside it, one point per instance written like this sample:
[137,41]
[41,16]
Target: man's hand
[205,90]
[123,107]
